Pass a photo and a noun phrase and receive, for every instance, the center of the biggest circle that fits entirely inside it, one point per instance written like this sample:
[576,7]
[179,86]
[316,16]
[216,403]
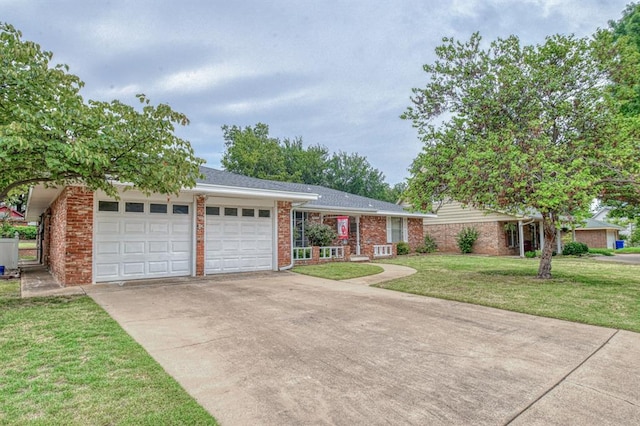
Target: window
[264,213]
[213,211]
[134,207]
[230,211]
[395,229]
[180,209]
[157,208]
[107,206]
[513,237]
[299,239]
[248,213]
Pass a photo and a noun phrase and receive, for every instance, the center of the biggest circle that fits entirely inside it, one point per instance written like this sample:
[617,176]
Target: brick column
[70,246]
[200,234]
[284,233]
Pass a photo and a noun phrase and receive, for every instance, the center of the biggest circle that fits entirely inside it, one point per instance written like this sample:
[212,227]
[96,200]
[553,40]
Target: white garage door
[136,240]
[238,239]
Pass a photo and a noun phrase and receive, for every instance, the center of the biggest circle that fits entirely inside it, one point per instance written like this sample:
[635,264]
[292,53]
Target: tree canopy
[48,133]
[522,128]
[250,151]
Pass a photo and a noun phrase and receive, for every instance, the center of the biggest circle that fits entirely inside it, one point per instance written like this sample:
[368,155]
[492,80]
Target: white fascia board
[370,212]
[407,214]
[234,191]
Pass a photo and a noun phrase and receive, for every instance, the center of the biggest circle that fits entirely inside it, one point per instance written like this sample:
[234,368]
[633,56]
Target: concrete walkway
[391,272]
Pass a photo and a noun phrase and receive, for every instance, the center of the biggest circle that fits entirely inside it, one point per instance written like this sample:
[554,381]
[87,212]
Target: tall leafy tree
[250,151]
[522,127]
[305,165]
[49,134]
[353,173]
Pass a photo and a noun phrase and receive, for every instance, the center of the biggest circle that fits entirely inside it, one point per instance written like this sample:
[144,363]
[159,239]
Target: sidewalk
[391,272]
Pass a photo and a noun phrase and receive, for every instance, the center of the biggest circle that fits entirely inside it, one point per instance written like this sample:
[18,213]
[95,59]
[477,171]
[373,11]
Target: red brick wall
[491,241]
[416,233]
[284,233]
[373,231]
[200,237]
[70,248]
[596,238]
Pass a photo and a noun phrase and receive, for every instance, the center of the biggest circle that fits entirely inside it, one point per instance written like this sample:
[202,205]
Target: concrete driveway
[282,348]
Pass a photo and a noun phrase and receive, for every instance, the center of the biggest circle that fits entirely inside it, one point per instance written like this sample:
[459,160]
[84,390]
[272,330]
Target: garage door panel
[133,268]
[134,227]
[108,247]
[179,266]
[107,270]
[133,247]
[236,244]
[158,247]
[108,227]
[159,228]
[180,228]
[156,267]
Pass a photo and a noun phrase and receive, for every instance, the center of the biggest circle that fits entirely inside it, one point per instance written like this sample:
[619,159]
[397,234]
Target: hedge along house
[502,234]
[227,223]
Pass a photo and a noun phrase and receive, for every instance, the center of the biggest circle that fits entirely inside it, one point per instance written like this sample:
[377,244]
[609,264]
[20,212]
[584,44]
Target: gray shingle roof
[326,197]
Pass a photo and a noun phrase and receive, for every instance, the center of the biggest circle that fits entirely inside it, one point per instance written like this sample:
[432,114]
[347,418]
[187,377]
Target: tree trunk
[549,229]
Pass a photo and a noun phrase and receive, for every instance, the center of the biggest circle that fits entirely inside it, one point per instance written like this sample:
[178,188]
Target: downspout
[290,265]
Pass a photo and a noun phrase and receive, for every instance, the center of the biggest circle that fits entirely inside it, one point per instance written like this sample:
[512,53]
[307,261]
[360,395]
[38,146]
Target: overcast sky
[336,73]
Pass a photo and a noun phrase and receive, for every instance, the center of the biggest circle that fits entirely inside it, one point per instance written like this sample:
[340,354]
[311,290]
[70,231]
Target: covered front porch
[361,237]
[525,235]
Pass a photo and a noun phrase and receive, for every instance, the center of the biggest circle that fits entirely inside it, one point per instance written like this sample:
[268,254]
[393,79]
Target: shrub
[466,238]
[575,248]
[403,248]
[24,232]
[319,234]
[529,254]
[430,244]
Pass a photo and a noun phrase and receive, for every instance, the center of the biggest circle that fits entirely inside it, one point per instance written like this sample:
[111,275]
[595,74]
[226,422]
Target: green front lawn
[65,361]
[339,270]
[582,290]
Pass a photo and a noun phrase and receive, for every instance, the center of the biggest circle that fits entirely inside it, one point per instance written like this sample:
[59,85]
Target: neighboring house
[226,223]
[11,214]
[598,234]
[603,213]
[502,234]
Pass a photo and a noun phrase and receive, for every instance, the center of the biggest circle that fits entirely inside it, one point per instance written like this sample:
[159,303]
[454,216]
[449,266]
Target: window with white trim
[396,229]
[513,237]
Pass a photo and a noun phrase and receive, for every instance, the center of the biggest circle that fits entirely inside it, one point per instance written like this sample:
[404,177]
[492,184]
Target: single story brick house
[502,234]
[227,223]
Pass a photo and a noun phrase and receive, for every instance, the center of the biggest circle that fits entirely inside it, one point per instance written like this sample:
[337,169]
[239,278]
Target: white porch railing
[302,253]
[335,252]
[383,250]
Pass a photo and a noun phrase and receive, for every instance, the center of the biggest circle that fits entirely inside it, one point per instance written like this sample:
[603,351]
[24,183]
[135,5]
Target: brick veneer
[284,233]
[69,251]
[200,235]
[415,229]
[491,241]
[596,238]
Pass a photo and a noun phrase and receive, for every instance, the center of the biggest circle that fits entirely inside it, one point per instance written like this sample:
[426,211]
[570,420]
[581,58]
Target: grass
[27,244]
[602,251]
[629,250]
[339,270]
[65,361]
[582,290]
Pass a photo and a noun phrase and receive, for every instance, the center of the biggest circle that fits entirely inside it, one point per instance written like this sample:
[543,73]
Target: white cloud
[207,77]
